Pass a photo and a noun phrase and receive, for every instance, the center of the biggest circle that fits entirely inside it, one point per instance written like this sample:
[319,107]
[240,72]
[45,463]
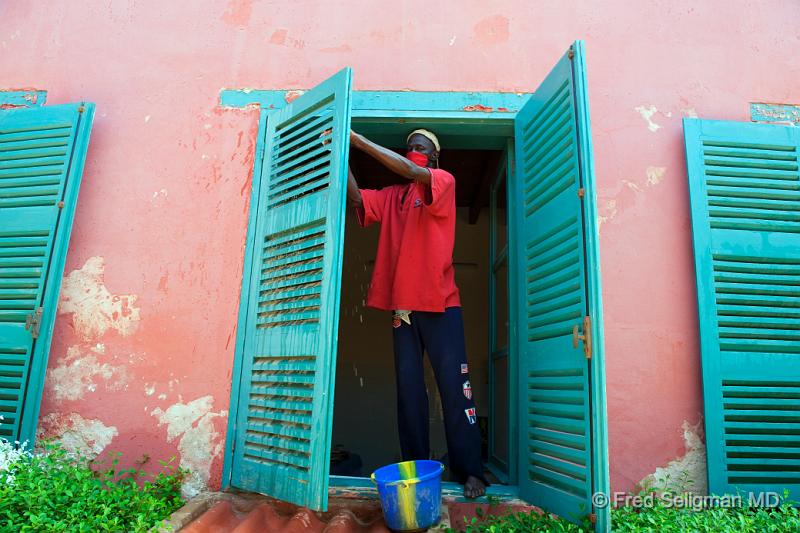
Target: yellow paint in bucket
[407,494]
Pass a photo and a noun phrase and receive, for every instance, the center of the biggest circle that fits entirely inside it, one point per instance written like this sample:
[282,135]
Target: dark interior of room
[473,169]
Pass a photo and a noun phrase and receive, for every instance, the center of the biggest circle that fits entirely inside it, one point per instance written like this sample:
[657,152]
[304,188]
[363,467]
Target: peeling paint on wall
[238,12]
[491,30]
[647,113]
[76,434]
[621,199]
[686,473]
[291,96]
[199,443]
[607,212]
[281,37]
[95,310]
[478,107]
[632,185]
[78,372]
[655,175]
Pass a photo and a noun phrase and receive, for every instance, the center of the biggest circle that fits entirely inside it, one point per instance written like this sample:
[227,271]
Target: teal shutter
[562,424]
[284,394]
[745,198]
[42,151]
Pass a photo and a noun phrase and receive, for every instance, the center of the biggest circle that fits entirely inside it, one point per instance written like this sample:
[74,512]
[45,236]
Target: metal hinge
[592,518]
[33,322]
[81,109]
[571,53]
[581,192]
[586,337]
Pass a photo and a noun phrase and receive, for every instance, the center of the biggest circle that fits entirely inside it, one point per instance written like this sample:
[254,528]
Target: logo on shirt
[417,203]
[470,415]
[467,390]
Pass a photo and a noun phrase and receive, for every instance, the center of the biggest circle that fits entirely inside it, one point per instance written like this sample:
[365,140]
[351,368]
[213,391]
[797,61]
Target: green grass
[54,491]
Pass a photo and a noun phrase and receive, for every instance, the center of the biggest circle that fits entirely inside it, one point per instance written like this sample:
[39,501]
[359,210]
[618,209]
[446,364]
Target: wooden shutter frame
[592,283]
[599,417]
[705,307]
[322,405]
[41,346]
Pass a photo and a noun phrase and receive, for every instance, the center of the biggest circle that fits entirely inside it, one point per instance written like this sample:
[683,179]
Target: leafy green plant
[660,517]
[519,523]
[666,517]
[57,491]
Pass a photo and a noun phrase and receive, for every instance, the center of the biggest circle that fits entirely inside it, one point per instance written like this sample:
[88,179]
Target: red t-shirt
[414,265]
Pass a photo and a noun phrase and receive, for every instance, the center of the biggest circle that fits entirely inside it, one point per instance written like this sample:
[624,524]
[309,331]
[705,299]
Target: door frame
[494,111]
[497,258]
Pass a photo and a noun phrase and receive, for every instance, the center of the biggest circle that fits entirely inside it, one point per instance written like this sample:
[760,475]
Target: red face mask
[417,158]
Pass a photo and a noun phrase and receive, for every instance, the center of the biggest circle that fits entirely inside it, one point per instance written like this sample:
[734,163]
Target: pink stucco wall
[142,353]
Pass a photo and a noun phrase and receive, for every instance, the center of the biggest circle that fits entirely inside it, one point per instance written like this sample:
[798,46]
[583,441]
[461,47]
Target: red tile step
[267,515]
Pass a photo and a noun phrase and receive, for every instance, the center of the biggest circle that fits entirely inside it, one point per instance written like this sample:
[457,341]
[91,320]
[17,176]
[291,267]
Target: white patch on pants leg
[401,316]
[467,390]
[471,415]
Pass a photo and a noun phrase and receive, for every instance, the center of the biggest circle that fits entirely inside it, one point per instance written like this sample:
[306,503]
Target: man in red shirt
[414,278]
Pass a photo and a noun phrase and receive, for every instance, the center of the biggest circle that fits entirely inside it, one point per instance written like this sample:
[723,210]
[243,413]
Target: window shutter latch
[33,322]
[586,337]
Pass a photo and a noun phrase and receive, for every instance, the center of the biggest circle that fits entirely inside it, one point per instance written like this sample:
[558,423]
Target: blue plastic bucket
[411,494]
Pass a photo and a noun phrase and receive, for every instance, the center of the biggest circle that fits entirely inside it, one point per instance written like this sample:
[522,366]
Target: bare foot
[474,488]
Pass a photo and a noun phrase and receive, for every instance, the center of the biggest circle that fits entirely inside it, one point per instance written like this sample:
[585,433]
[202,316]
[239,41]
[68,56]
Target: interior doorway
[364,423]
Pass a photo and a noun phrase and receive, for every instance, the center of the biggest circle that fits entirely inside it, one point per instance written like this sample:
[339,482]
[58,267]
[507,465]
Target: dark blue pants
[441,335]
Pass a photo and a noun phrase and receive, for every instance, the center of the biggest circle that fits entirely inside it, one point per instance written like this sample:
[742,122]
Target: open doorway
[284,377]
[364,422]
